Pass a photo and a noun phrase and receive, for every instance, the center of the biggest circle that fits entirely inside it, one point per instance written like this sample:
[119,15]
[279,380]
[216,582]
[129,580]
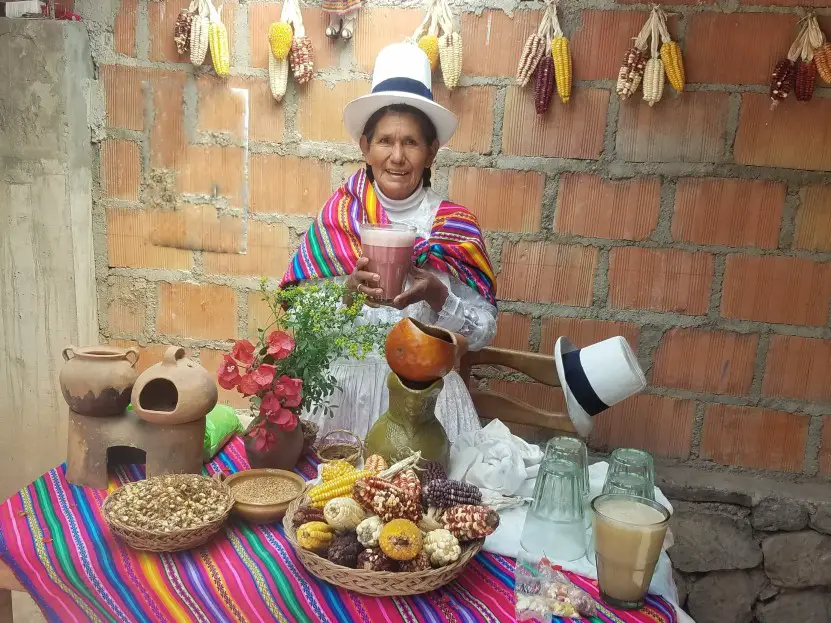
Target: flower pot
[422,353]
[97,380]
[283,454]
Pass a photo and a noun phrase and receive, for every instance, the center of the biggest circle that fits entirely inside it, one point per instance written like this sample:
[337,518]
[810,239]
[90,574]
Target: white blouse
[362,394]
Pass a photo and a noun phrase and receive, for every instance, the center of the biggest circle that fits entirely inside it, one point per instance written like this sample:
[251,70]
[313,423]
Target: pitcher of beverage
[389,249]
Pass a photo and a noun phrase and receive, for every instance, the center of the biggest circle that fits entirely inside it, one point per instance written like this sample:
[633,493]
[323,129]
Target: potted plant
[287,370]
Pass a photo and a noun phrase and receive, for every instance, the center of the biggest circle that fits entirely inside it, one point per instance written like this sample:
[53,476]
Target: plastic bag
[221,425]
[543,591]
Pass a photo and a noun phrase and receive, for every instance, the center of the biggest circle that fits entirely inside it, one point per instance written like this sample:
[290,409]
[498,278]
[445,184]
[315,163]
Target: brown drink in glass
[389,249]
[629,534]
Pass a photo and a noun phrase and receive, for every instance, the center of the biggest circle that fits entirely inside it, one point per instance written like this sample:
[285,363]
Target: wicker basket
[340,444]
[376,583]
[158,541]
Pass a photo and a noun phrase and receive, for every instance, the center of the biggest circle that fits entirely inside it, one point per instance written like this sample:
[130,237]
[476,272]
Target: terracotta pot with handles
[97,380]
[174,391]
[423,353]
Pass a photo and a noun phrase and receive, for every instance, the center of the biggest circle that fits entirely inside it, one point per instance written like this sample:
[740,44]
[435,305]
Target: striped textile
[332,245]
[341,6]
[54,539]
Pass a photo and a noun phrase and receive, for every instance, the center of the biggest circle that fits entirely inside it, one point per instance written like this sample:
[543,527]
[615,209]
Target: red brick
[124,95]
[791,136]
[588,205]
[380,26]
[798,367]
[474,108]
[149,355]
[120,169]
[660,425]
[678,129]
[213,170]
[489,192]
[597,47]
[124,29]
[197,227]
[706,361]
[660,279]
[512,331]
[825,449]
[321,105]
[210,360]
[128,243]
[289,185]
[730,212]
[161,18]
[565,131]
[126,305]
[259,314]
[713,38]
[584,332]
[813,219]
[267,253]
[755,438]
[547,273]
[535,394]
[490,40]
[222,108]
[168,145]
[776,289]
[260,17]
[197,311]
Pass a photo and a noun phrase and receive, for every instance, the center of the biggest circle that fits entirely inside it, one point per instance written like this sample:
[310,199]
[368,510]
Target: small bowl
[259,512]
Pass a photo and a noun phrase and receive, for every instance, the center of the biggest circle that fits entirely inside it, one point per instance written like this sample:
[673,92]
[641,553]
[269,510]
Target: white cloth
[362,396]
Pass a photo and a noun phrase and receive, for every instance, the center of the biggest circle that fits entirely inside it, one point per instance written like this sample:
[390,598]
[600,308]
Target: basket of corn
[168,513]
[367,531]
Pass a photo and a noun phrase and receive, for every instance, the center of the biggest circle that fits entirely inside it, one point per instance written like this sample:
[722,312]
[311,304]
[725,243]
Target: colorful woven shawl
[332,245]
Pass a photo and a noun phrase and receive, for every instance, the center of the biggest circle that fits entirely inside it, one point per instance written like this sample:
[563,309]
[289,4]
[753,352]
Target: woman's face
[398,154]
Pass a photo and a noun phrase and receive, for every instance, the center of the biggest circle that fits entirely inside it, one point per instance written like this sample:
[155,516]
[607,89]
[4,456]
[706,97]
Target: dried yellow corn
[822,58]
[335,469]
[673,64]
[219,46]
[278,76]
[562,67]
[430,45]
[450,57]
[279,39]
[198,39]
[337,488]
[653,81]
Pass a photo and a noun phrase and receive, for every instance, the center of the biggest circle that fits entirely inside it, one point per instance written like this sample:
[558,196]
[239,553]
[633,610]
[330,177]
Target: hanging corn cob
[630,74]
[279,39]
[218,42]
[532,52]
[426,35]
[199,34]
[181,31]
[450,47]
[562,59]
[671,55]
[544,83]
[278,76]
[301,54]
[821,49]
[805,80]
[653,76]
[784,74]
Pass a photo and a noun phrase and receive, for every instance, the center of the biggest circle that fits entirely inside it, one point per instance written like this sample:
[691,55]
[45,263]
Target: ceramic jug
[98,380]
[410,424]
[174,391]
[422,353]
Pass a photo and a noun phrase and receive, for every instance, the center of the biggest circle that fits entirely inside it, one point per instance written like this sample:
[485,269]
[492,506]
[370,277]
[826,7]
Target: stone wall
[747,549]
[699,229]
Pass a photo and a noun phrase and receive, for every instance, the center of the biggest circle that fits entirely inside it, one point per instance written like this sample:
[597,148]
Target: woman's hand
[364,281]
[426,287]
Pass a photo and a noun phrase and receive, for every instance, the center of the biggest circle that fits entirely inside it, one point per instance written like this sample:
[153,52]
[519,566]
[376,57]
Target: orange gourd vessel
[422,353]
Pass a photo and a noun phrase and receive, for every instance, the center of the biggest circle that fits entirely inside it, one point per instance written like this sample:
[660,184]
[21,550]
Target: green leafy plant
[288,369]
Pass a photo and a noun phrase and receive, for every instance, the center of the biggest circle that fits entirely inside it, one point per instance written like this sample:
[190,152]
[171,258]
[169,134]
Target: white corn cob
[278,76]
[450,58]
[653,81]
[198,39]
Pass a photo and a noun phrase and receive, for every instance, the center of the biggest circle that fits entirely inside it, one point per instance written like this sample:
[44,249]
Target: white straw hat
[596,377]
[402,76]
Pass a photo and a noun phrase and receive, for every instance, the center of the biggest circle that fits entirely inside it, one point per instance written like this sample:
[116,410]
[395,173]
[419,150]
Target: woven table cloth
[55,540]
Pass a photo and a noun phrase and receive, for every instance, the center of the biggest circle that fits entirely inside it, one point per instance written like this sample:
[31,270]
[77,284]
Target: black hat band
[579,385]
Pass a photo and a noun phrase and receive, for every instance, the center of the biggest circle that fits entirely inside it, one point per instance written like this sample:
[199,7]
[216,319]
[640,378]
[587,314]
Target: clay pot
[284,454]
[174,391]
[423,353]
[97,380]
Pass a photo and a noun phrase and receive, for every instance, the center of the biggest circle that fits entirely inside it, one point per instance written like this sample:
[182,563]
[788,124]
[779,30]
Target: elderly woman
[399,129]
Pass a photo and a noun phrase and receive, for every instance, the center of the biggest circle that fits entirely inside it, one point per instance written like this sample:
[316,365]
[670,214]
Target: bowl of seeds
[263,495]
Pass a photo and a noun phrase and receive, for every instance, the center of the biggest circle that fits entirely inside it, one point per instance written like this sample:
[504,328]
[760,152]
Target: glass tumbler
[570,449]
[631,472]
[554,525]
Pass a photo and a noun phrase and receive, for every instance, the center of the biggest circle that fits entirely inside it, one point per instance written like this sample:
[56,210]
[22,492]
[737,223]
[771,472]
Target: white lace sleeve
[468,313]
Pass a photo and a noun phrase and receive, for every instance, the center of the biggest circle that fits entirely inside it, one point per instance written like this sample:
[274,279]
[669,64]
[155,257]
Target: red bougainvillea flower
[263,438]
[272,409]
[247,385]
[228,373]
[243,352]
[263,375]
[280,344]
[290,389]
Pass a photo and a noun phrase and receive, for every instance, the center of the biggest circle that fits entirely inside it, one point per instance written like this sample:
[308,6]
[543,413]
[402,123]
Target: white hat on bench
[596,377]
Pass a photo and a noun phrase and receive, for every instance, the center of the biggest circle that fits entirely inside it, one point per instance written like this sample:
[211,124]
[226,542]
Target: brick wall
[700,229]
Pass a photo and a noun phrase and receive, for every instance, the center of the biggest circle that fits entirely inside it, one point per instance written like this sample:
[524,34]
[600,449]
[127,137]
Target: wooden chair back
[494,405]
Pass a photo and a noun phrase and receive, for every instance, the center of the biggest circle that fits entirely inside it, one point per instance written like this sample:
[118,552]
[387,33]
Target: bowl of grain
[263,495]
